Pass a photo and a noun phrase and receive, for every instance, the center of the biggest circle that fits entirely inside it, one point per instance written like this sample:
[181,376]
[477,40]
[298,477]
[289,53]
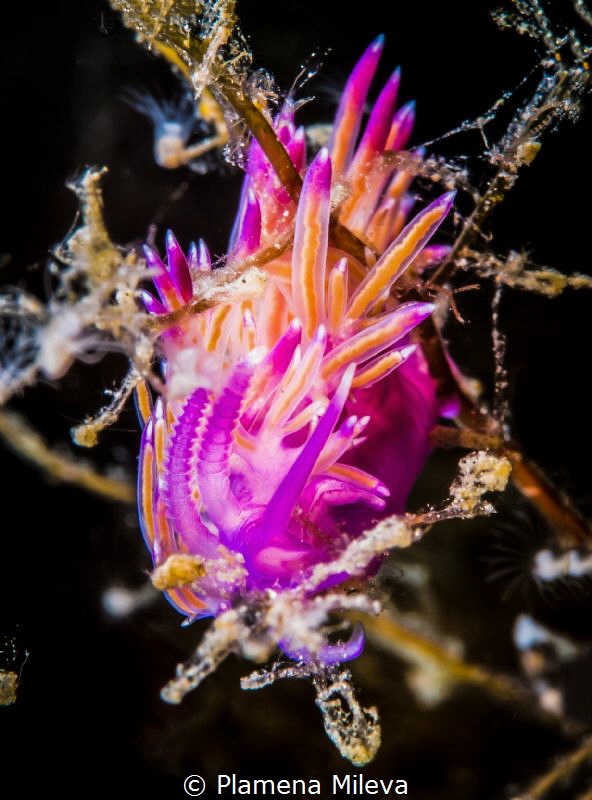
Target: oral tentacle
[272,370]
[340,441]
[285,498]
[332,489]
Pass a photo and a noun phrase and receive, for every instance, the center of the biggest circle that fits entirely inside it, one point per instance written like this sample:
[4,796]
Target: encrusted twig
[560,771]
[448,437]
[27,443]
[445,669]
[475,426]
[555,97]
[295,619]
[279,670]
[584,12]
[21,316]
[200,62]
[218,643]
[389,634]
[353,729]
[518,272]
[232,282]
[570,527]
[96,298]
[87,433]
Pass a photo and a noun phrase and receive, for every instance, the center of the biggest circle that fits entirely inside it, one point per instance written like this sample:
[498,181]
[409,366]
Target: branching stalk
[28,444]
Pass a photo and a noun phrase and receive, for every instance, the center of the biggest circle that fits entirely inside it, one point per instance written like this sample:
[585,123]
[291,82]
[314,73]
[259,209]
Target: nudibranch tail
[329,653]
[287,494]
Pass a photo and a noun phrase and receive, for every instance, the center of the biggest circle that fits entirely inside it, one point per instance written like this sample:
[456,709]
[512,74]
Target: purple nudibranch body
[297,415]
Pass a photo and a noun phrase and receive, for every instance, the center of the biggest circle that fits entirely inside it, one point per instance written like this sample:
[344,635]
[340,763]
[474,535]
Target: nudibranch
[292,420]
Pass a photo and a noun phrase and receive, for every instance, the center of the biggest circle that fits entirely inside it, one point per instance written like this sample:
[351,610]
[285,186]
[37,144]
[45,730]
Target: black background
[88,720]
